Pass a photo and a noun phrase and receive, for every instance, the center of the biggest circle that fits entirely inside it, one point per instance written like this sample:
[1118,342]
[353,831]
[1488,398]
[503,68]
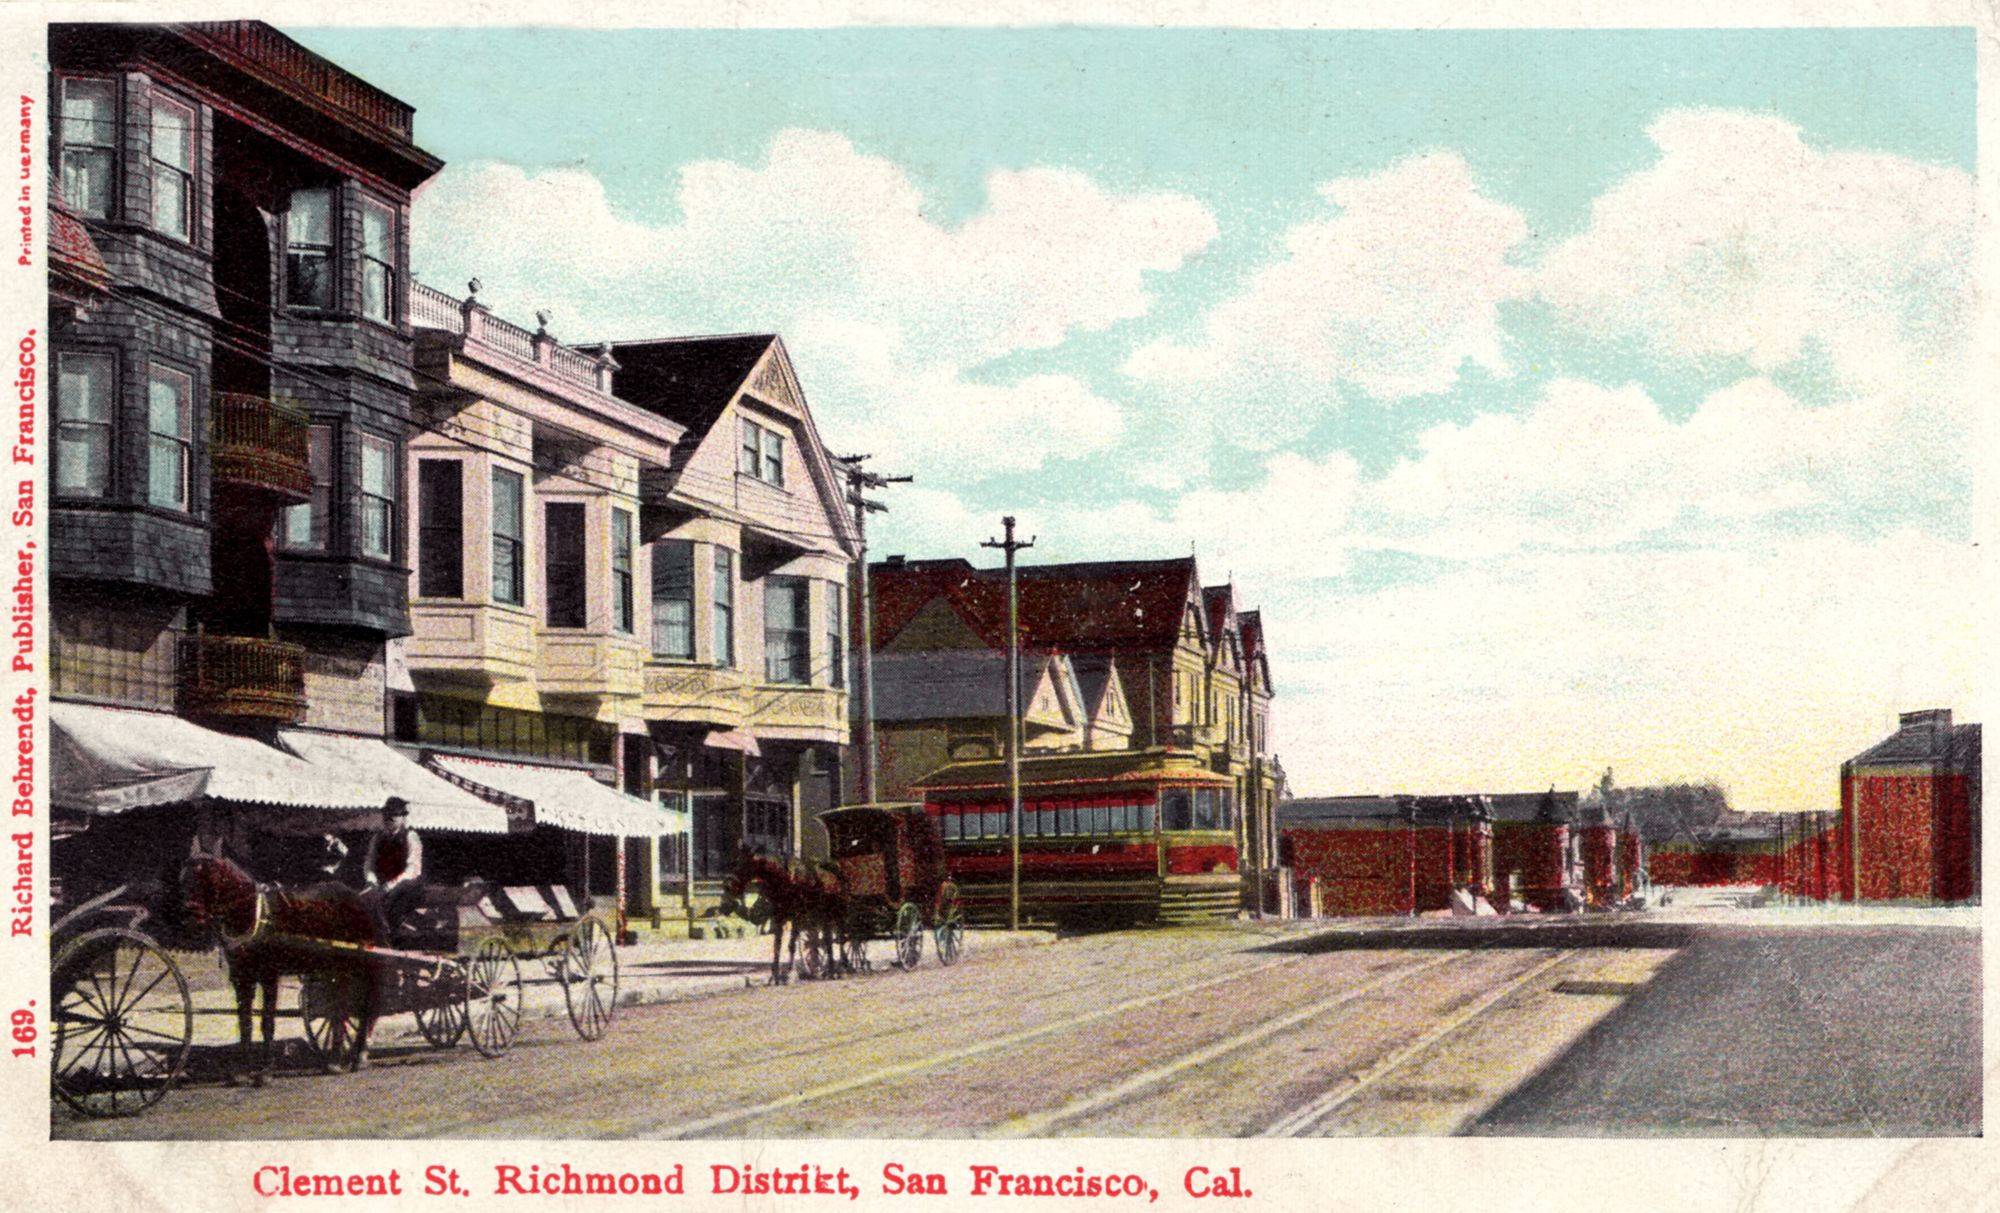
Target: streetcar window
[1144,814]
[1227,798]
[1066,821]
[1176,809]
[1205,809]
[1100,819]
[994,825]
[948,825]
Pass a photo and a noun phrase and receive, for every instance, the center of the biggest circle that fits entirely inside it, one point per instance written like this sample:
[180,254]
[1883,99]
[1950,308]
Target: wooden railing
[260,443]
[433,309]
[242,676]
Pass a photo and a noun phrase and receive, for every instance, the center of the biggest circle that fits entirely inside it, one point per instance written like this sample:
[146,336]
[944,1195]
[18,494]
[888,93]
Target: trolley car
[1117,835]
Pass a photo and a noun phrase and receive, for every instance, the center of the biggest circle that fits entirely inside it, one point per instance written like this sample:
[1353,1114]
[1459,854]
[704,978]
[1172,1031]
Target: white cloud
[885,310]
[1590,466]
[1763,668]
[1742,242]
[1391,294]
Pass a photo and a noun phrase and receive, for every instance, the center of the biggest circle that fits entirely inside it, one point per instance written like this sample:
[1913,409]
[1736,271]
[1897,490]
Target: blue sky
[1570,394]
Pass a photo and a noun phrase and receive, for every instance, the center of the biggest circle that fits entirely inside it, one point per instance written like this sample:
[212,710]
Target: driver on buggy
[394,870]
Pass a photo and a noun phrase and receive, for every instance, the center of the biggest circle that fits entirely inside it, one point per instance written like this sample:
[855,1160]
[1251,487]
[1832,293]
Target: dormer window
[309,249]
[763,454]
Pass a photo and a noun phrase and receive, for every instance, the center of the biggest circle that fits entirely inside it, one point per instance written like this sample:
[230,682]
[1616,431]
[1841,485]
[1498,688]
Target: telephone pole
[1011,546]
[858,482]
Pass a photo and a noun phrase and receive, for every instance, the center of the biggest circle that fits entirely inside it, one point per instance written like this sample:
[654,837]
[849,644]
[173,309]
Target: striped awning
[112,760]
[435,803]
[566,798]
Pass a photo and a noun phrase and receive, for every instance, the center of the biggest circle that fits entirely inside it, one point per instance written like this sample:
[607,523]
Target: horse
[764,891]
[259,928]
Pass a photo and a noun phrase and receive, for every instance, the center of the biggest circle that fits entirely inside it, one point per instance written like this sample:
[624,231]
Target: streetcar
[1108,837]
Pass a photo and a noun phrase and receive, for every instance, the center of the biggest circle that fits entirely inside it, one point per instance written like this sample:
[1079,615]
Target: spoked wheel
[950,929]
[589,974]
[816,953]
[493,997]
[123,1023]
[333,1008]
[909,936]
[439,1004]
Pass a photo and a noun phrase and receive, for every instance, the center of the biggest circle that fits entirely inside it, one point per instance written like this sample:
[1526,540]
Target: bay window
[173,168]
[168,396]
[303,527]
[787,631]
[84,389]
[621,571]
[378,497]
[309,249]
[508,529]
[565,604]
[89,145]
[673,599]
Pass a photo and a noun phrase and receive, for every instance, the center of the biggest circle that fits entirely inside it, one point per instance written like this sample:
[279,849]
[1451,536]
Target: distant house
[1909,806]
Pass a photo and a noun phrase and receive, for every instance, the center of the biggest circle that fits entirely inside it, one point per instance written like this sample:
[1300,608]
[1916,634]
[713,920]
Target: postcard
[722,609]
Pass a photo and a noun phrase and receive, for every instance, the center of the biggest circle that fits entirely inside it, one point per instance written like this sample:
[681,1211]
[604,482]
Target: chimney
[896,562]
[1935,719]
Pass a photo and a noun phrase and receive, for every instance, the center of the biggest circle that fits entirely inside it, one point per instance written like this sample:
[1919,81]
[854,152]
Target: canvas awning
[732,739]
[112,760]
[435,803]
[567,798]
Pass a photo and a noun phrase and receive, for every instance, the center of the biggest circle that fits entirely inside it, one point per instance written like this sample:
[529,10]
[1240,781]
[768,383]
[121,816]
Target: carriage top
[890,851]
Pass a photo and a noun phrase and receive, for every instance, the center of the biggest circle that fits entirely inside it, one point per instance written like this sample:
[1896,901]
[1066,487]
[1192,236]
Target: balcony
[242,677]
[471,642]
[262,445]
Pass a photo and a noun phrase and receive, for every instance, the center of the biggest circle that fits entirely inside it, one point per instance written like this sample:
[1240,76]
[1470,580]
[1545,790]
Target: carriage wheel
[493,997]
[439,1004]
[333,1008]
[815,953]
[123,1023]
[909,936]
[950,929]
[589,973]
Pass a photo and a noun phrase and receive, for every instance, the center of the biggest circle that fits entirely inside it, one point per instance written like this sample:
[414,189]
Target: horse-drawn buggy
[886,880]
[123,1016]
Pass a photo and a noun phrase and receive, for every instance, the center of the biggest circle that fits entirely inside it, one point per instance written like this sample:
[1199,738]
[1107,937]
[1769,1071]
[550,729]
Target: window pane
[377,227]
[375,291]
[166,453]
[170,134]
[786,644]
[621,570]
[83,429]
[170,203]
[88,114]
[1176,809]
[836,647]
[83,461]
[163,405]
[311,220]
[375,468]
[440,528]
[562,550]
[774,457]
[507,571]
[86,180]
[723,607]
[673,598]
[747,458]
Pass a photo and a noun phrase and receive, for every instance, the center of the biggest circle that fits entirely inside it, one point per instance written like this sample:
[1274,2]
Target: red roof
[73,251]
[1129,606]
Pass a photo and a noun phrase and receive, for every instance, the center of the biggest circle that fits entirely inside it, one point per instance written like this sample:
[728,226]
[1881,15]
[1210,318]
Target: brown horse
[763,890]
[264,931]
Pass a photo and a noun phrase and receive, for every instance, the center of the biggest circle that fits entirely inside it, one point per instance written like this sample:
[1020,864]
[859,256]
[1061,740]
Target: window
[507,532]
[309,249]
[673,599]
[173,168]
[84,386]
[440,528]
[763,453]
[836,649]
[378,262]
[167,394]
[723,607]
[636,762]
[378,497]
[89,145]
[302,528]
[1176,809]
[566,604]
[621,571]
[787,632]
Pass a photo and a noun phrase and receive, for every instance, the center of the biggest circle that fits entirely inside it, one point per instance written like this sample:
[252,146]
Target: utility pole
[859,481]
[1010,546]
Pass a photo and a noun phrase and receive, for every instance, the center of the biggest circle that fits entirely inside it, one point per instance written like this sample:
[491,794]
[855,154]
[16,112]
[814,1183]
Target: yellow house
[607,585]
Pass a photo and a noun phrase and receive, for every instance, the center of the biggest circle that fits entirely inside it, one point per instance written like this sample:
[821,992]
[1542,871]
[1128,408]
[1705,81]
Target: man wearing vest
[394,870]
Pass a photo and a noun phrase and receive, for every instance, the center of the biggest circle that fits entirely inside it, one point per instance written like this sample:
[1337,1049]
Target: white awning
[435,803]
[111,760]
[567,798]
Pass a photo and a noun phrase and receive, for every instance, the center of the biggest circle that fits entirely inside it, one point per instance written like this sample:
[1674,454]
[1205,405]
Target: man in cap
[394,869]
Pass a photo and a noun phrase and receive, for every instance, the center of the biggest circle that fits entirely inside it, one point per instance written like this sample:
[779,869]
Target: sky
[1565,400]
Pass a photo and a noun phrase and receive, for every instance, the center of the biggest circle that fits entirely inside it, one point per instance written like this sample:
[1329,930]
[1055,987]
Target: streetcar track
[1039,1123]
[1302,1120]
[951,1057]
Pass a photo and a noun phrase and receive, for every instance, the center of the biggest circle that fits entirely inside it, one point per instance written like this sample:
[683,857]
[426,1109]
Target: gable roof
[1927,736]
[955,684]
[1092,608]
[690,380]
